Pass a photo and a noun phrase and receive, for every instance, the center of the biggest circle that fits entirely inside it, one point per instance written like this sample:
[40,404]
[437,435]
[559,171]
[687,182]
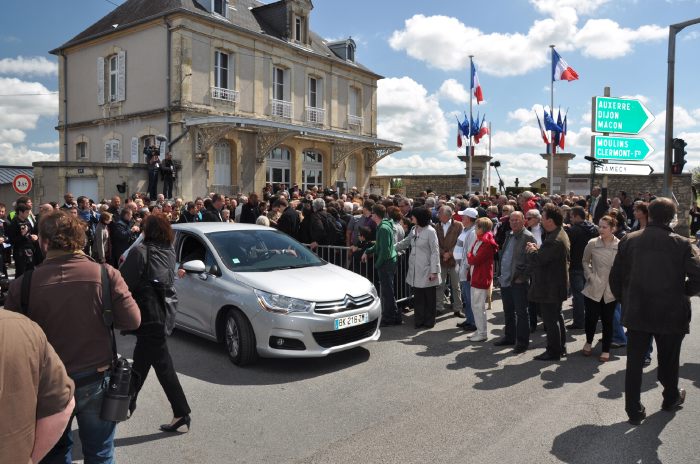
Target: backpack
[334,230]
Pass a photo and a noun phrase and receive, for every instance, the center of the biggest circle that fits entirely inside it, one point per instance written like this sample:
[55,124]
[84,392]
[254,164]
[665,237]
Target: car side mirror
[214,270]
[195,266]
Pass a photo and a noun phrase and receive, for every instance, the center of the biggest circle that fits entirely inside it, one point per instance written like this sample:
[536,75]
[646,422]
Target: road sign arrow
[624,169]
[620,115]
[620,148]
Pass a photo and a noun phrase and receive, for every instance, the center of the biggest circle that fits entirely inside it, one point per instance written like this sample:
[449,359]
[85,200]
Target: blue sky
[421,48]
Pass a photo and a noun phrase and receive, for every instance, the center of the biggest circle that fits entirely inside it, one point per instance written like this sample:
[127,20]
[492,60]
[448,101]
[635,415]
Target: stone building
[242,93]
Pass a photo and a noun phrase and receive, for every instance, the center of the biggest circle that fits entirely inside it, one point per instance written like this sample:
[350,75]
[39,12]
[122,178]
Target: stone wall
[682,189]
[414,185]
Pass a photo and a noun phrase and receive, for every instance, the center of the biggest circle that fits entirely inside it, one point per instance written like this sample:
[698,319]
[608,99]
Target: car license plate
[345,322]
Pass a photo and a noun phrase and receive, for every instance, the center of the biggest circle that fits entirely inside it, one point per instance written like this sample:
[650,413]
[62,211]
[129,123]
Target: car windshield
[261,250]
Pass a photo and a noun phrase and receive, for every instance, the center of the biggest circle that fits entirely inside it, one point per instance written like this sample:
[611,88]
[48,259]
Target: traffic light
[678,156]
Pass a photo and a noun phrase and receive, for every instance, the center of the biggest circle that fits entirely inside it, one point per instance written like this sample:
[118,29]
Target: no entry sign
[22,184]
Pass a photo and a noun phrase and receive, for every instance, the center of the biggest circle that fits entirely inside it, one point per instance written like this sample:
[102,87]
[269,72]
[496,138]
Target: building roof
[251,15]
[7,173]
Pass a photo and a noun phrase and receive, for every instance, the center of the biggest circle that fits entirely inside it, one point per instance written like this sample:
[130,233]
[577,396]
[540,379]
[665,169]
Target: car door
[196,292]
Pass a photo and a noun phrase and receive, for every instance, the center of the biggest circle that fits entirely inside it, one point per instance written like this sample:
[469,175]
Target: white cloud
[23,156]
[35,66]
[20,113]
[696,113]
[605,39]
[12,136]
[433,39]
[53,144]
[416,164]
[407,114]
[453,91]
[584,7]
[692,35]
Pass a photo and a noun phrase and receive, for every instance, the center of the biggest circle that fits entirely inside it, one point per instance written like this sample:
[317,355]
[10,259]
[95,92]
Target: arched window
[222,164]
[279,166]
[312,170]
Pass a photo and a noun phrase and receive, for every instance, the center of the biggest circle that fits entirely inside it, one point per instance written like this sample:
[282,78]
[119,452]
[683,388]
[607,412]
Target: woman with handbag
[598,258]
[423,273]
[149,271]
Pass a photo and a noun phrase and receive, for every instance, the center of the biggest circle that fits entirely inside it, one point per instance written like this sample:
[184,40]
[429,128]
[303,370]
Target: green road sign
[619,115]
[620,148]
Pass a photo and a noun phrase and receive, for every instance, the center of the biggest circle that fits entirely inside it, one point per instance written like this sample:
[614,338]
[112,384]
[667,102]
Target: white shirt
[445,227]
[537,232]
[464,245]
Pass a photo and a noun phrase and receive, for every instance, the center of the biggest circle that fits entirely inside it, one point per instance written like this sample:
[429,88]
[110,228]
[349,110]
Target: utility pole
[673,31]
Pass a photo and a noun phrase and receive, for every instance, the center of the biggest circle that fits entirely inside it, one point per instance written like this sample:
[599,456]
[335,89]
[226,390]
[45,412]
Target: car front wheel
[239,338]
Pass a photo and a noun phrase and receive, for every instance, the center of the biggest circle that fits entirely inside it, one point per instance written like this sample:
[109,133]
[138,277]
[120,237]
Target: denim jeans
[517,321]
[466,291]
[619,335]
[96,435]
[577,281]
[386,273]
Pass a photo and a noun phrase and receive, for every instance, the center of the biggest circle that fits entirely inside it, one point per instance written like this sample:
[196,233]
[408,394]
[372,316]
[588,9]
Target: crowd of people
[536,250]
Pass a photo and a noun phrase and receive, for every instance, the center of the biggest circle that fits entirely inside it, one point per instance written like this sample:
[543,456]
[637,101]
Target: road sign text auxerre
[620,116]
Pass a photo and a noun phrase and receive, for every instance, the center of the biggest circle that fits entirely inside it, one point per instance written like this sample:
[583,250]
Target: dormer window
[219,7]
[344,49]
[297,30]
[351,51]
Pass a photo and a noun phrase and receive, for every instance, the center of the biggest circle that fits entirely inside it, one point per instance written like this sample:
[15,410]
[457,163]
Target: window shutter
[121,76]
[115,151]
[286,79]
[108,151]
[319,94]
[100,80]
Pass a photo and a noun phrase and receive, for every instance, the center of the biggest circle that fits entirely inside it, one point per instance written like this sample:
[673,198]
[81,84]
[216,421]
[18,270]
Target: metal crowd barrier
[342,256]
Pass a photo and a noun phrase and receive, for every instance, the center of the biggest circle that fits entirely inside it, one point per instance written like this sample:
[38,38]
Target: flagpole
[551,133]
[489,176]
[469,148]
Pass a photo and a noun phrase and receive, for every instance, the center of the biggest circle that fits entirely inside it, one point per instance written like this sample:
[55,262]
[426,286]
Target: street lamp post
[673,30]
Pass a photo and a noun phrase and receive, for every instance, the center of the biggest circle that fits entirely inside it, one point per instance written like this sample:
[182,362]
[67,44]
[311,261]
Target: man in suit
[289,220]
[448,231]
[549,264]
[213,210]
[654,274]
[599,203]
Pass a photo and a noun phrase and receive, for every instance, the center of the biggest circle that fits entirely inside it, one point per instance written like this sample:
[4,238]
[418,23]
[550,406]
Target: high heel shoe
[185,420]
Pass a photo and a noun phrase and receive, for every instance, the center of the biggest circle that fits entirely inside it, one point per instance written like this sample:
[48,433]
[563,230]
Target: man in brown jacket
[448,231]
[65,300]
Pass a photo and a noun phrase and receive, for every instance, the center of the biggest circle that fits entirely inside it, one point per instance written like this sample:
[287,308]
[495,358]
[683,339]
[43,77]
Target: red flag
[544,134]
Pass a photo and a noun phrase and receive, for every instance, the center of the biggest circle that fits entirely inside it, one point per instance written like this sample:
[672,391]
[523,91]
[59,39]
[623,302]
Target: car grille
[348,303]
[345,336]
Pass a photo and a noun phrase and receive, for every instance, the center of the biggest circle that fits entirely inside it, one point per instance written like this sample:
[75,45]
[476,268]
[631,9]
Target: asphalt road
[427,396]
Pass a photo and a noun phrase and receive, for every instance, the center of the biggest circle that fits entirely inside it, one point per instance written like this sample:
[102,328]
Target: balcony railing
[282,109]
[354,120]
[218,93]
[315,115]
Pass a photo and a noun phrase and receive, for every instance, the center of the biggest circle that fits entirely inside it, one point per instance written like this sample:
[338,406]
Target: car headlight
[282,304]
[373,291]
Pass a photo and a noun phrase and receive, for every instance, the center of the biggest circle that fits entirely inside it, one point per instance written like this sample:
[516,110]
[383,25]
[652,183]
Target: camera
[115,404]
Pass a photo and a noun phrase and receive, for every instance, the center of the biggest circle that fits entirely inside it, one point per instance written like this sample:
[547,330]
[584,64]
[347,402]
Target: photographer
[65,300]
[167,171]
[23,236]
[91,219]
[153,160]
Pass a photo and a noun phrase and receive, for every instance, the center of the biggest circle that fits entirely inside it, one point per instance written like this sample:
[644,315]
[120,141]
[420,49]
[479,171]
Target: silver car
[262,293]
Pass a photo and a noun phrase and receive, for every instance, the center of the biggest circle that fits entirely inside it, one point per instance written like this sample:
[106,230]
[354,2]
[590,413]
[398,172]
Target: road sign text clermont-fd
[22,184]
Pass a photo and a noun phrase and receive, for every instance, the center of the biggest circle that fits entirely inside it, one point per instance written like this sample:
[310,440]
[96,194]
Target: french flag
[561,71]
[460,135]
[542,132]
[475,86]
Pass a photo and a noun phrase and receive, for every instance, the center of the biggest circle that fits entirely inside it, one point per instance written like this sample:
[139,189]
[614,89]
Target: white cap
[471,212]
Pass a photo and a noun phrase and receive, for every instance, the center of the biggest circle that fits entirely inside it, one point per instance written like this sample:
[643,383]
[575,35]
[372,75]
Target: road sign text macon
[620,115]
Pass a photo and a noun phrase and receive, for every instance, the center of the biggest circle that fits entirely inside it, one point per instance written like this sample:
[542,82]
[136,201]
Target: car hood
[316,283]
